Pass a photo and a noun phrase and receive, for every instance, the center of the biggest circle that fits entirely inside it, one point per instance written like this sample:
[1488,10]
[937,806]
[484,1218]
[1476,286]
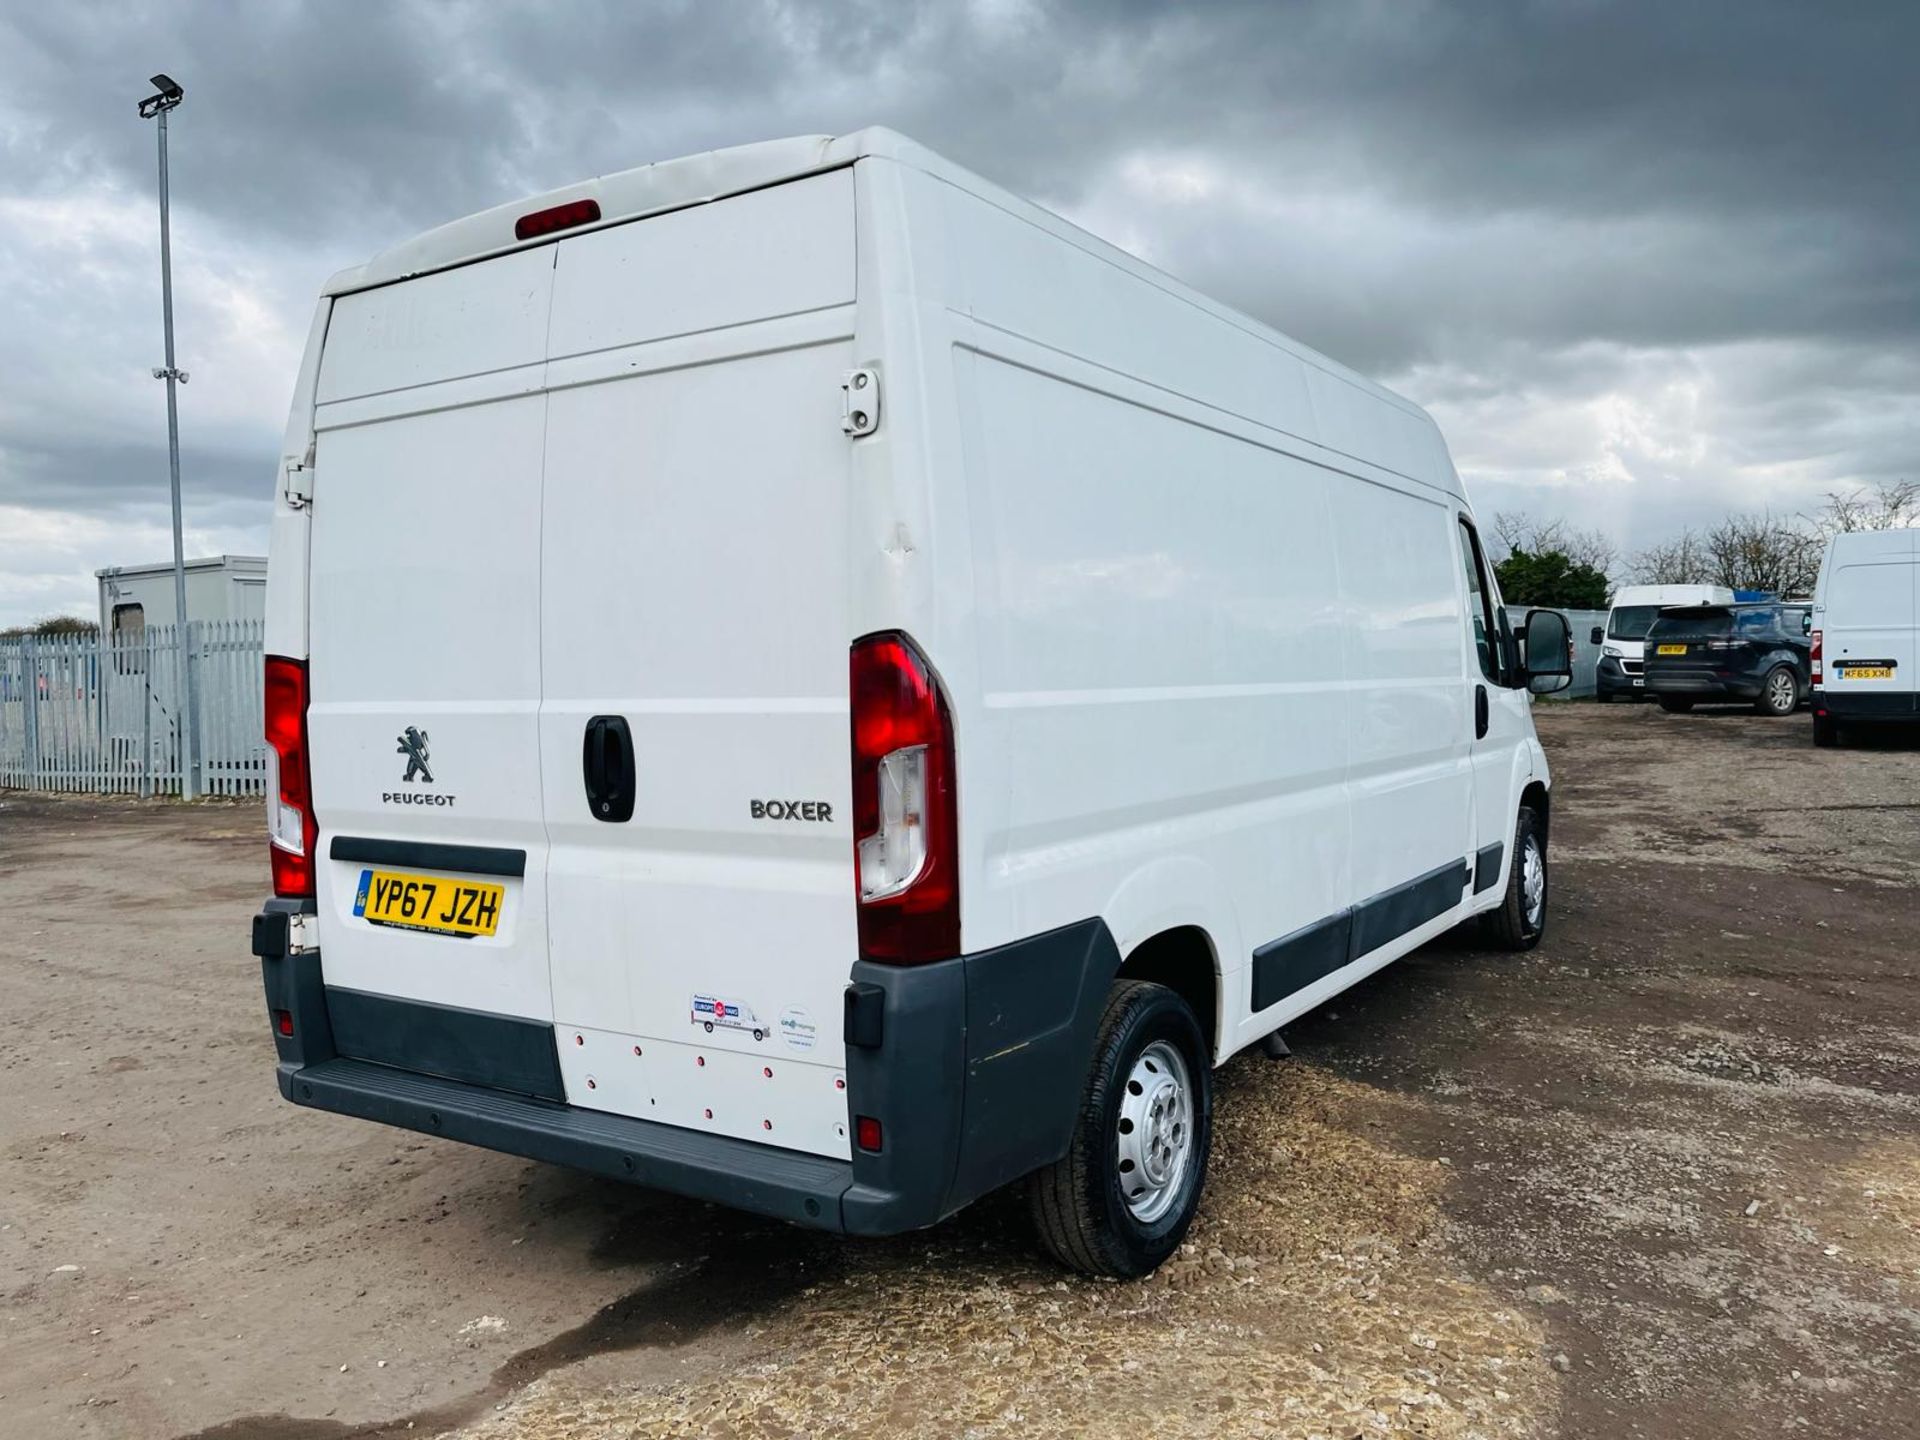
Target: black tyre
[1779,692]
[1521,919]
[1120,1201]
[1677,704]
[1826,734]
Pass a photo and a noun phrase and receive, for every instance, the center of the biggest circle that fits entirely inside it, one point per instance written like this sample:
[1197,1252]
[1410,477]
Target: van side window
[1480,604]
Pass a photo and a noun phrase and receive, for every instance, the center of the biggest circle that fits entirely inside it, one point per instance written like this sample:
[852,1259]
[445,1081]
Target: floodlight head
[169,94]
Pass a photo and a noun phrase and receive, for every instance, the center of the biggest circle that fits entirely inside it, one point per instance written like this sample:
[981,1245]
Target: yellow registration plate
[1670,650]
[465,908]
[1867,672]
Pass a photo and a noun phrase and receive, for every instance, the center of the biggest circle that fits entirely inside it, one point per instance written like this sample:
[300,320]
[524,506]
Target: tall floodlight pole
[168,95]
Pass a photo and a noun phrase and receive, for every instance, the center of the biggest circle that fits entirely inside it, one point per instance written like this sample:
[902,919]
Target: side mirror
[1806,622]
[1599,635]
[1549,652]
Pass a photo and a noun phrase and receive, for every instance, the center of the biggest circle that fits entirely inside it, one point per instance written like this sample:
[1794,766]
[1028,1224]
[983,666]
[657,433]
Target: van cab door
[1500,719]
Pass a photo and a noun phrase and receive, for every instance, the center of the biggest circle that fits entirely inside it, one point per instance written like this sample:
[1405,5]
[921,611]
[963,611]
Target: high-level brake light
[556,217]
[291,830]
[906,837]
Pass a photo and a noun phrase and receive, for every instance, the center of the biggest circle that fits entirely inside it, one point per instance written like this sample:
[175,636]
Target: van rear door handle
[1479,712]
[606,762]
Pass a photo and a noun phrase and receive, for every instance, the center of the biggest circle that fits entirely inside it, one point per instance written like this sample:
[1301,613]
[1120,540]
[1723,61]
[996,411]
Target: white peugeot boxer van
[799,679]
[1866,617]
[1623,639]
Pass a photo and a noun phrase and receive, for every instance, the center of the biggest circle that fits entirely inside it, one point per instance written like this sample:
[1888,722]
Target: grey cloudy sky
[1644,262]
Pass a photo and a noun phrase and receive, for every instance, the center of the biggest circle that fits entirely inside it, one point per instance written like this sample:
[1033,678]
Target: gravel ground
[1660,1178]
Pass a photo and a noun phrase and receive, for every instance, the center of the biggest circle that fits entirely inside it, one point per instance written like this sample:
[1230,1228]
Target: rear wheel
[1521,918]
[1676,704]
[1779,692]
[1120,1201]
[1826,734]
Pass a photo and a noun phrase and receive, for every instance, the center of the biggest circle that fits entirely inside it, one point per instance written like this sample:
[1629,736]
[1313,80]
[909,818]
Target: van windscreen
[1630,622]
[1694,623]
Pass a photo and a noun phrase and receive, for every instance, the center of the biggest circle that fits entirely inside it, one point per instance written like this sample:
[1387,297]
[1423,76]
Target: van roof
[628,195]
[1666,595]
[1856,543]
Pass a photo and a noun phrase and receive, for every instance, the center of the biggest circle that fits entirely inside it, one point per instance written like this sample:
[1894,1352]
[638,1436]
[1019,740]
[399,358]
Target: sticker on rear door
[797,1029]
[714,1012]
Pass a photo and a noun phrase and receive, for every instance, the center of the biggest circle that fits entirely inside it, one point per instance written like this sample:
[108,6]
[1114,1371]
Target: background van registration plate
[1867,672]
[423,902]
[1671,650]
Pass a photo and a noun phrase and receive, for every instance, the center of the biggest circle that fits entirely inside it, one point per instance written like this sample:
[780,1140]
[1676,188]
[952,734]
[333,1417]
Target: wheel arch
[1537,797]
[1173,923]
[1184,960]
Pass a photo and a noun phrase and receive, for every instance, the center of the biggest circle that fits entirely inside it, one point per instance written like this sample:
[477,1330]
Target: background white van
[801,679]
[1623,638]
[1866,661]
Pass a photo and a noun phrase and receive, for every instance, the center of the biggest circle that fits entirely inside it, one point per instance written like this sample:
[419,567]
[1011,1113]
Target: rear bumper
[1889,706]
[1701,683]
[806,1189]
[974,1067]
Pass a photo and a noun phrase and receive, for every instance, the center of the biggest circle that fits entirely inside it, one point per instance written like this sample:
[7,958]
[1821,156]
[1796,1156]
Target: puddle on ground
[739,1268]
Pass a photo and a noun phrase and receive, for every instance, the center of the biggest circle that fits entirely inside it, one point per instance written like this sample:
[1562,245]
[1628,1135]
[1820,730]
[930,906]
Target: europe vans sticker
[712,1012]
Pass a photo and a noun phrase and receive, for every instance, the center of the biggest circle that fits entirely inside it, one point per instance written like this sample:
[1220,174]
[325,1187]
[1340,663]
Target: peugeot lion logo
[413,745]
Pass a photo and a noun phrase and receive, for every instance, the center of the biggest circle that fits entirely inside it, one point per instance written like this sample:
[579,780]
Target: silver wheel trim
[1533,883]
[1782,691]
[1153,1139]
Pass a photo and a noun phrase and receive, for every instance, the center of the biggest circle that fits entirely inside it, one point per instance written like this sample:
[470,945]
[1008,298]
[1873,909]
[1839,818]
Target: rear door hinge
[303,934]
[860,402]
[296,483]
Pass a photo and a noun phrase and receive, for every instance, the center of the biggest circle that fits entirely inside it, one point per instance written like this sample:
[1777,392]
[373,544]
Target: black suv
[1756,652]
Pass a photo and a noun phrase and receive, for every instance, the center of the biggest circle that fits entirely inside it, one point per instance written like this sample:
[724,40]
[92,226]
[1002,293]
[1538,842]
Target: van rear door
[1868,628]
[695,627]
[425,638]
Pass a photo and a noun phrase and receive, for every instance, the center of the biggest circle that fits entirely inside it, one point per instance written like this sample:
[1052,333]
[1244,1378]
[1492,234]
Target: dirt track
[1474,1167]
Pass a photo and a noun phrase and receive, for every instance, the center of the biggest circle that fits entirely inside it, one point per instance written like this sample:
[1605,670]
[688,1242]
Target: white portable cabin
[219,587]
[778,636]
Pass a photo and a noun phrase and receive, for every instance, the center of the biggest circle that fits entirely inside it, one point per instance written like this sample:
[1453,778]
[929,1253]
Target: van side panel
[1166,686]
[1219,642]
[1410,773]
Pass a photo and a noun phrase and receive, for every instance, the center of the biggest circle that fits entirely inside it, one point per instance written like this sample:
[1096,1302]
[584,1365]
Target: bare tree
[1890,505]
[1763,552]
[1682,560]
[1517,530]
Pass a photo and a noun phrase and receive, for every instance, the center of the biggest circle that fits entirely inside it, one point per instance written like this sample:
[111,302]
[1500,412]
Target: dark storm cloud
[1609,243]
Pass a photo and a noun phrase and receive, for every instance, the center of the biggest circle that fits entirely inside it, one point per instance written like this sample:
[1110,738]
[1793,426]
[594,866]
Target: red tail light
[558,217]
[1819,666]
[291,830]
[906,835]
